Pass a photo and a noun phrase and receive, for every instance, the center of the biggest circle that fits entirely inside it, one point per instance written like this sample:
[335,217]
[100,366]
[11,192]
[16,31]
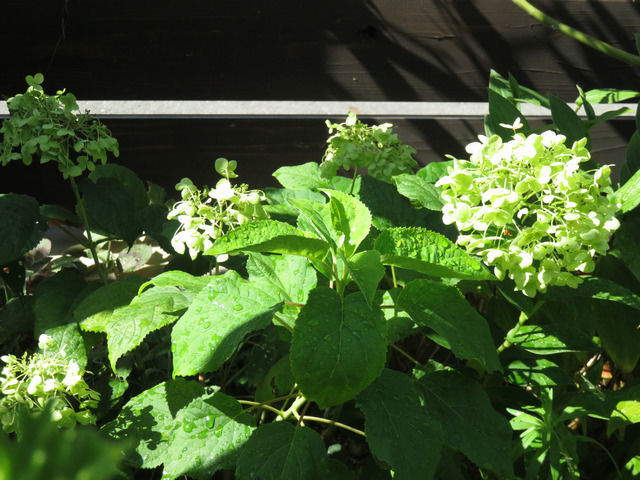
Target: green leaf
[419,190]
[217,321]
[599,289]
[56,212]
[350,218]
[567,121]
[366,270]
[209,435]
[338,348]
[618,331]
[269,236]
[630,167]
[148,419]
[550,339]
[187,283]
[16,317]
[302,176]
[127,178]
[281,451]
[290,275]
[625,242]
[444,309]
[434,171]
[314,218]
[400,431]
[109,209]
[54,302]
[150,311]
[610,95]
[21,225]
[94,312]
[390,209]
[503,111]
[532,372]
[468,420]
[428,252]
[628,195]
[47,452]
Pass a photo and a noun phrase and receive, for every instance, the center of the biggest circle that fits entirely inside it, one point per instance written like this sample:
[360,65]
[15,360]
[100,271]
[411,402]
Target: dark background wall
[409,50]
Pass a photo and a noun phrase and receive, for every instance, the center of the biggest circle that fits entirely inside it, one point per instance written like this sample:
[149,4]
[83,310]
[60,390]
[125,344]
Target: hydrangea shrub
[527,208]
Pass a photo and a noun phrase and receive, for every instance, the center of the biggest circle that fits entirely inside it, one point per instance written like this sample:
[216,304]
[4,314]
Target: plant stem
[402,352]
[604,47]
[283,323]
[333,423]
[522,319]
[85,223]
[293,409]
[393,276]
[353,180]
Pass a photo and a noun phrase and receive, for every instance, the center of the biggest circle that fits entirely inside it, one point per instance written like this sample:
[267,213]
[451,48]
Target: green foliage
[47,127]
[349,335]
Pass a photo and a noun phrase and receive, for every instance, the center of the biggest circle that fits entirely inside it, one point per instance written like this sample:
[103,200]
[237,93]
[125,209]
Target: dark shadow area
[370,50]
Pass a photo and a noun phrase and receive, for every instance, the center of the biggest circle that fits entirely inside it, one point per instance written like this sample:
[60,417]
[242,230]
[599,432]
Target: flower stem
[604,47]
[522,319]
[85,223]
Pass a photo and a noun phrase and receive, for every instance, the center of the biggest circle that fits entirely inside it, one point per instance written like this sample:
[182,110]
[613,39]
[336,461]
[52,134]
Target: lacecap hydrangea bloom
[528,210]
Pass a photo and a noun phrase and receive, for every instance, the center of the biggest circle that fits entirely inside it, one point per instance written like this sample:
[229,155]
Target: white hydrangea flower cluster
[32,381]
[206,214]
[529,211]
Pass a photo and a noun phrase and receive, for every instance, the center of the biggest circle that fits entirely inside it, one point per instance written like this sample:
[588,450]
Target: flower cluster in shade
[32,381]
[529,210]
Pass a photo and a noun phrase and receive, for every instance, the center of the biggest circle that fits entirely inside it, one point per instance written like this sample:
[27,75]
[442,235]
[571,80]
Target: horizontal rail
[185,109]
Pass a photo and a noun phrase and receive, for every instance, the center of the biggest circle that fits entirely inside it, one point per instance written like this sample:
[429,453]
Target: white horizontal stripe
[303,109]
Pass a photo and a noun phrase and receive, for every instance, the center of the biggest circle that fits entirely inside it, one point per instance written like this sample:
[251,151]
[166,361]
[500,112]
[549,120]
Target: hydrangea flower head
[527,208]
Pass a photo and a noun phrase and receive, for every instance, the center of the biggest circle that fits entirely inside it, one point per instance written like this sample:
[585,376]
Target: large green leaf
[217,321]
[302,176]
[281,451]
[269,236]
[289,275]
[632,163]
[502,111]
[551,339]
[428,252]
[209,435]
[187,283]
[338,348]
[469,423]
[390,209]
[181,424]
[350,219]
[619,333]
[128,326]
[21,225]
[628,195]
[567,121]
[314,218]
[400,431]
[148,419]
[444,309]
[55,298]
[110,209]
[96,309]
[366,270]
[599,289]
[127,178]
[626,241]
[419,190]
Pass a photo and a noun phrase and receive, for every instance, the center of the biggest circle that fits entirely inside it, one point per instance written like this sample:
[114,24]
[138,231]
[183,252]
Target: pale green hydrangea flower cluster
[33,380]
[529,211]
[353,144]
[206,214]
